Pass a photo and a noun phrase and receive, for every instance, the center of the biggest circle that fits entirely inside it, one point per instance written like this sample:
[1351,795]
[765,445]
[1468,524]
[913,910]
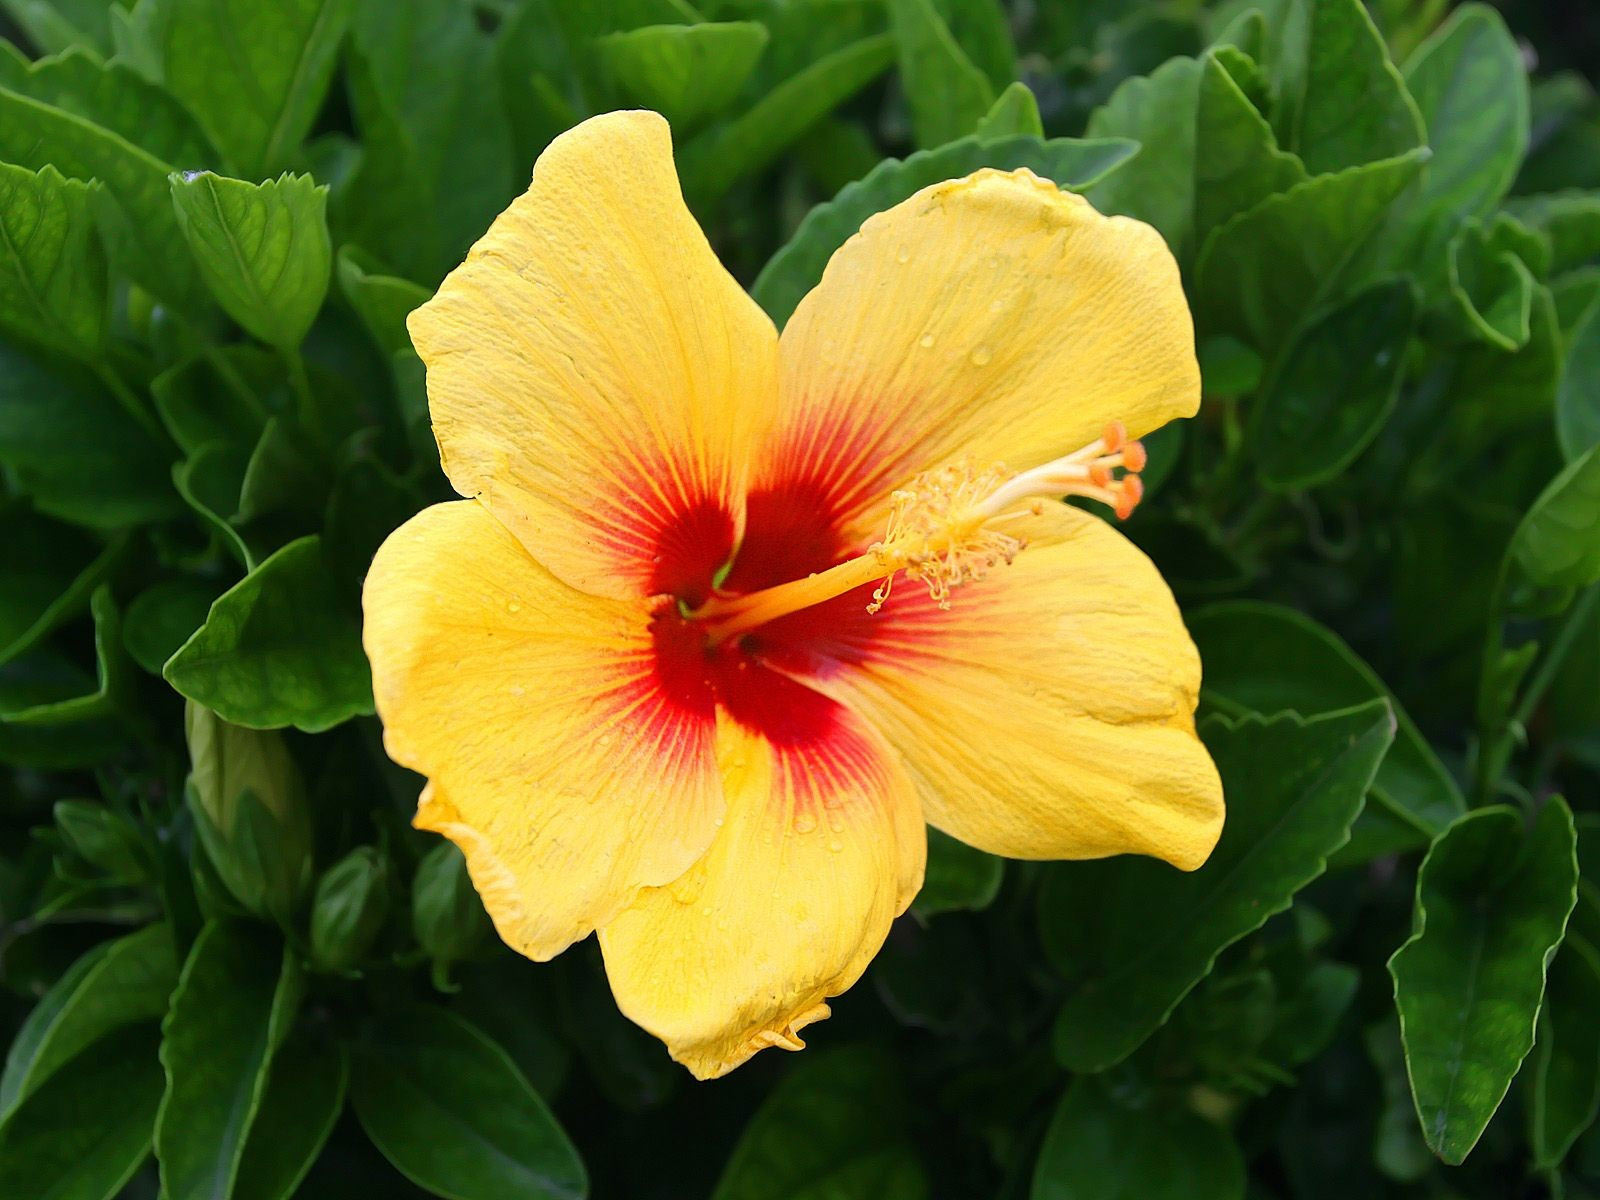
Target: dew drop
[836,845]
[804,822]
[981,356]
[927,341]
[904,256]
[513,606]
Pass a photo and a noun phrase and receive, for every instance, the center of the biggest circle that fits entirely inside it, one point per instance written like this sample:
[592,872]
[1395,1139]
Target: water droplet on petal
[804,821]
[513,606]
[904,256]
[981,356]
[927,341]
[836,845]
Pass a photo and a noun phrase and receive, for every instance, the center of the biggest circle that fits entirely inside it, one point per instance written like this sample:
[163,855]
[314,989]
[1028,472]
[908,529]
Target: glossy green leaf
[1100,1147]
[1578,397]
[453,1114]
[1558,542]
[52,272]
[1491,288]
[685,72]
[1340,102]
[55,25]
[281,647]
[305,1093]
[1237,163]
[77,453]
[1470,84]
[85,1131]
[381,300]
[711,162]
[958,877]
[1492,902]
[1565,1088]
[1570,219]
[1262,272]
[230,1013]
[163,617]
[946,93]
[117,983]
[1265,658]
[253,71]
[262,249]
[835,1122]
[1133,936]
[53,714]
[51,570]
[797,267]
[1015,113]
[134,208]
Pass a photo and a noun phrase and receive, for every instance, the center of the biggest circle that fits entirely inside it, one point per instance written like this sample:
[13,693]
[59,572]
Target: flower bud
[351,904]
[249,810]
[445,910]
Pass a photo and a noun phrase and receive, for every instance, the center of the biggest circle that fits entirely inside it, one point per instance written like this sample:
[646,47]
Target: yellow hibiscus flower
[653,669]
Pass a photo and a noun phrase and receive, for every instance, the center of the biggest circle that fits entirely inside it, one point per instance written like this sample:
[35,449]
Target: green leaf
[1565,1089]
[1570,219]
[1158,112]
[381,300]
[1237,163]
[1262,272]
[209,482]
[135,209]
[958,877]
[55,25]
[115,984]
[1265,658]
[1015,113]
[797,267]
[75,452]
[1558,542]
[947,95]
[55,715]
[262,249]
[1339,382]
[1492,903]
[281,647]
[51,570]
[1100,1147]
[837,1119]
[713,161]
[1340,102]
[1504,391]
[453,1114]
[52,272]
[1471,87]
[421,72]
[1491,289]
[164,616]
[253,71]
[305,1093]
[1578,397]
[85,1132]
[231,1010]
[1133,936]
[685,72]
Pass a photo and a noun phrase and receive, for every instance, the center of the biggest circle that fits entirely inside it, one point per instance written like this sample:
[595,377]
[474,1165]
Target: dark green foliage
[230,969]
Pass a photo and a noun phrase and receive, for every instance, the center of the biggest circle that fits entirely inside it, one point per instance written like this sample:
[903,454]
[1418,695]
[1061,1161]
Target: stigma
[950,526]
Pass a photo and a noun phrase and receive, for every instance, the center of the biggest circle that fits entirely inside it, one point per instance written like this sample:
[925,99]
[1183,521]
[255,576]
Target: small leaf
[381,300]
[947,95]
[797,267]
[1506,390]
[958,877]
[52,273]
[1570,219]
[448,1108]
[281,647]
[1491,289]
[1133,936]
[715,160]
[117,983]
[55,25]
[1558,542]
[164,616]
[1237,163]
[1565,1088]
[230,1012]
[262,249]
[253,71]
[1492,902]
[1578,399]
[1337,386]
[685,72]
[305,1094]
[1099,1147]
[834,1118]
[83,1133]
[1015,113]
[51,571]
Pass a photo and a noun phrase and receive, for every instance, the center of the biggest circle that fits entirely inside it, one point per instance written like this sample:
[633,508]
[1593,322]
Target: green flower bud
[445,910]
[102,838]
[250,813]
[351,904]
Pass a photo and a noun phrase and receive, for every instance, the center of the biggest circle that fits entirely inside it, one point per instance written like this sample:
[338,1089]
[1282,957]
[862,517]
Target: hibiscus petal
[595,376]
[823,847]
[994,318]
[570,772]
[1049,713]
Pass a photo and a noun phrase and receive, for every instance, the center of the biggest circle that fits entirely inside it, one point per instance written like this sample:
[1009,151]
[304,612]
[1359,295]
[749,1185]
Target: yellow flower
[653,669]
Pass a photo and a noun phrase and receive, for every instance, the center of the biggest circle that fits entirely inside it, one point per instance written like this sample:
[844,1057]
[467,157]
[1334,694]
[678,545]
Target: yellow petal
[595,376]
[994,318]
[561,766]
[1049,713]
[823,847]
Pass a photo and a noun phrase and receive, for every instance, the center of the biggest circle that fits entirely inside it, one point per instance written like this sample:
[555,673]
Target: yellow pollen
[946,528]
